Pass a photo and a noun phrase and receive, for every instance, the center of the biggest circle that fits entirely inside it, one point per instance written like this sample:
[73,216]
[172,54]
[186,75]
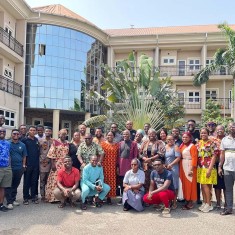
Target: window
[9,30]
[168,60]
[8,73]
[194,64]
[211,94]
[194,96]
[42,49]
[209,61]
[119,67]
[181,96]
[9,117]
[37,121]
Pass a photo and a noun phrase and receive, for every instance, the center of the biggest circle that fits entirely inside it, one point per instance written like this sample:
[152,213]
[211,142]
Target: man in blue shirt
[5,169]
[18,155]
[31,173]
[93,183]
[161,188]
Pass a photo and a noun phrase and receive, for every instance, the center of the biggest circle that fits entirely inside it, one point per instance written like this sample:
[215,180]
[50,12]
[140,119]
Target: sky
[114,14]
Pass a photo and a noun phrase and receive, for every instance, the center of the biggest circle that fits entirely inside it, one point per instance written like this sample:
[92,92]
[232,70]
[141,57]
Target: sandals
[226,212]
[62,205]
[186,207]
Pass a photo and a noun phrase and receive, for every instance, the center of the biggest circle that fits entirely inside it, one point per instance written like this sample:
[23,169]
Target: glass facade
[60,64]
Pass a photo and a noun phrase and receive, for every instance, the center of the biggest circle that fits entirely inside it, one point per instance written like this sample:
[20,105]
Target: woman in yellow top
[206,171]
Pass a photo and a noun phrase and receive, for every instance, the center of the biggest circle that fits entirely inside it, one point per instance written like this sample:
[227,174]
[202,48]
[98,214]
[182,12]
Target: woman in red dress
[110,164]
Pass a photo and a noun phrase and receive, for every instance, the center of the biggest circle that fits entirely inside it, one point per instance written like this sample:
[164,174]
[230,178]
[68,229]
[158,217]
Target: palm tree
[138,94]
[223,59]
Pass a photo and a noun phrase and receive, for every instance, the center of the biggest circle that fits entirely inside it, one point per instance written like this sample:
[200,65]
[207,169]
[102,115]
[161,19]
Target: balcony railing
[225,103]
[11,42]
[10,86]
[190,103]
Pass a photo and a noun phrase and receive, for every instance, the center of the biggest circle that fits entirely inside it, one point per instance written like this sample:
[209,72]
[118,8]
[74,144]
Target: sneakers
[207,208]
[3,208]
[15,203]
[10,207]
[202,206]
[26,202]
[166,210]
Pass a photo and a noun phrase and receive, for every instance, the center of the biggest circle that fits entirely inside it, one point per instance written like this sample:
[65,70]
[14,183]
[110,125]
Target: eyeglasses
[2,131]
[14,133]
[212,124]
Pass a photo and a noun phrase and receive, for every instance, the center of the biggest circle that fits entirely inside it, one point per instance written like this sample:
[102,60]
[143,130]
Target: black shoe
[199,202]
[3,208]
[181,200]
[227,212]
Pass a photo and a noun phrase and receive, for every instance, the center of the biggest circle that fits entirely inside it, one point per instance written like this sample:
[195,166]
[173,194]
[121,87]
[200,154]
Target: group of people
[144,167]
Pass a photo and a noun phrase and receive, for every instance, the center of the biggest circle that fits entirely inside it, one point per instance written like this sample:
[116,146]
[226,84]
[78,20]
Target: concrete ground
[46,219]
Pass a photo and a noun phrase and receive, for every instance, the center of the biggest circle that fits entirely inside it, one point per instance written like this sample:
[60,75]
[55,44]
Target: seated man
[92,183]
[161,188]
[67,184]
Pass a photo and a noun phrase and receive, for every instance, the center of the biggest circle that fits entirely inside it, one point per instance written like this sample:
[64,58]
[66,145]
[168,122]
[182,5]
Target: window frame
[3,112]
[194,97]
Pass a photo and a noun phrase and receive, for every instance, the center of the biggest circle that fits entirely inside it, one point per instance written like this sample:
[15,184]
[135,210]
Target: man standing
[117,135]
[98,136]
[23,131]
[227,161]
[146,129]
[161,188]
[92,183]
[87,149]
[45,162]
[129,126]
[18,155]
[40,132]
[32,166]
[211,126]
[82,131]
[5,169]
[176,135]
[2,120]
[67,184]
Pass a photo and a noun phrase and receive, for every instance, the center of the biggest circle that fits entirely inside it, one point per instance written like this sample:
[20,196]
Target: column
[203,87]
[56,123]
[110,57]
[156,57]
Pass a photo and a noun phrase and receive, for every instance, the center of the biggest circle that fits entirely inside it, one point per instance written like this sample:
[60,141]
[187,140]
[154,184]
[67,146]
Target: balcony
[11,42]
[190,103]
[186,70]
[225,103]
[10,86]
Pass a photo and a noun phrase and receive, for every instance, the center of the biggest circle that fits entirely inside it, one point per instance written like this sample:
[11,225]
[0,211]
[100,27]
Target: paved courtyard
[47,219]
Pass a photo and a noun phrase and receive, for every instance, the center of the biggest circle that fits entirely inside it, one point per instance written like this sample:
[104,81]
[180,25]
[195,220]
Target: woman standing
[110,163]
[73,148]
[206,172]
[150,151]
[58,150]
[172,158]
[188,171]
[162,134]
[133,187]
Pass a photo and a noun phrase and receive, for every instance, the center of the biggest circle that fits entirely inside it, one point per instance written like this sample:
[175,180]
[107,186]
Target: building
[50,55]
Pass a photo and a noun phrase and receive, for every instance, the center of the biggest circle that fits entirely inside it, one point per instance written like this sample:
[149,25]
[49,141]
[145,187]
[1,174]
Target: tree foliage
[138,94]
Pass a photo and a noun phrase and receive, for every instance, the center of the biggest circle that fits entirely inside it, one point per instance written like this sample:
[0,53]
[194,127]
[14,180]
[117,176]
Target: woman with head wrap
[188,170]
[133,187]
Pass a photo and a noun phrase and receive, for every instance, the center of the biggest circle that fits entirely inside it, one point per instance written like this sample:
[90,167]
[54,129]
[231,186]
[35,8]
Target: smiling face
[170,140]
[48,132]
[211,126]
[23,130]
[15,135]
[110,137]
[2,133]
[220,131]
[138,137]
[152,135]
[63,134]
[98,133]
[134,165]
[126,135]
[93,161]
[88,139]
[158,166]
[82,129]
[186,138]
[129,125]
[204,134]
[67,163]
[231,128]
[191,126]
[163,135]
[32,132]
[175,133]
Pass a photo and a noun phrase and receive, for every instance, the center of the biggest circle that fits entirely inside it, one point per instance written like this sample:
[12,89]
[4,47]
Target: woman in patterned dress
[58,150]
[206,171]
[110,164]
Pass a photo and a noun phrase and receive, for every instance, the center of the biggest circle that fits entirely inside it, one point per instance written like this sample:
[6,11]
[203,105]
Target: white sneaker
[10,207]
[166,211]
[202,206]
[15,203]
[207,208]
